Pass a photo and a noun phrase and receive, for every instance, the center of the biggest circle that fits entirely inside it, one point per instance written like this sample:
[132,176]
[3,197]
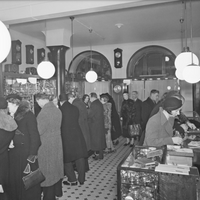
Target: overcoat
[7,127]
[127,114]
[26,142]
[147,107]
[138,111]
[74,145]
[96,124]
[83,121]
[50,154]
[159,130]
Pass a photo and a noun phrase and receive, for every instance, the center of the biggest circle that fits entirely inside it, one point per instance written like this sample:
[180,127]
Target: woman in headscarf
[159,129]
[7,128]
[26,143]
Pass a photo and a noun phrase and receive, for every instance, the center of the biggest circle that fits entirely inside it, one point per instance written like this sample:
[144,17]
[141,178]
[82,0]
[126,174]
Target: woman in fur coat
[7,127]
[26,143]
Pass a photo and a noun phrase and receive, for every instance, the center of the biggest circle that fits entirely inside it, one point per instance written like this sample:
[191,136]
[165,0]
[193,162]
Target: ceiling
[141,20]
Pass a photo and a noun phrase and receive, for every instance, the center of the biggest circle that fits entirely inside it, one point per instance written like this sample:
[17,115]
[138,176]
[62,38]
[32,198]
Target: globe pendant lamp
[46,69]
[191,72]
[185,58]
[5,42]
[91,75]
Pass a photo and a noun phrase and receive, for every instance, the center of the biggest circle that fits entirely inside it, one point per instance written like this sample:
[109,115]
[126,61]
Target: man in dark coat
[147,107]
[74,146]
[96,124]
[83,122]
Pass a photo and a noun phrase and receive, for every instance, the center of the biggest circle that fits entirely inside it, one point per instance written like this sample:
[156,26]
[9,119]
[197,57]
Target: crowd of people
[56,138]
[59,135]
[160,122]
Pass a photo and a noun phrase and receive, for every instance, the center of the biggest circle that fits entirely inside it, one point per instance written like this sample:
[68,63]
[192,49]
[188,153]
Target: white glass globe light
[5,42]
[179,73]
[46,69]
[184,59]
[91,76]
[191,73]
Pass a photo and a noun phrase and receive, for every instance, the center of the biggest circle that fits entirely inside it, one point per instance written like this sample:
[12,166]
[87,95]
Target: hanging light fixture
[91,75]
[5,42]
[191,73]
[45,69]
[184,58]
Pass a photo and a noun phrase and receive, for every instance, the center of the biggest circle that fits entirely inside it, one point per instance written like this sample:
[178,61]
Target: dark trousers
[70,173]
[50,192]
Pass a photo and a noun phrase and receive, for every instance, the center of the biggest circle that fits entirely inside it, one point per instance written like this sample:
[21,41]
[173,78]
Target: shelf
[18,75]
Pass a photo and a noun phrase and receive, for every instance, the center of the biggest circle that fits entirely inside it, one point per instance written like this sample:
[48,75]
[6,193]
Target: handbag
[134,130]
[33,178]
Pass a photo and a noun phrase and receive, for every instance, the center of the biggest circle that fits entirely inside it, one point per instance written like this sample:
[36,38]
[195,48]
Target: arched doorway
[80,65]
[151,61]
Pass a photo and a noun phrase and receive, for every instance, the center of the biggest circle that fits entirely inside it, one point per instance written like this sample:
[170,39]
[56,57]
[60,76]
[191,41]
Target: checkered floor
[101,180]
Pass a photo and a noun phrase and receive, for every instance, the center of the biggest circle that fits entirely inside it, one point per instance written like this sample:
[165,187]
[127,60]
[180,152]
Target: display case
[139,180]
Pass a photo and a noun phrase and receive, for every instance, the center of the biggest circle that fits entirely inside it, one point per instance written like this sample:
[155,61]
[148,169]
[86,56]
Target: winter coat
[147,107]
[74,145]
[96,124]
[83,121]
[138,111]
[7,127]
[50,154]
[159,130]
[26,142]
[127,114]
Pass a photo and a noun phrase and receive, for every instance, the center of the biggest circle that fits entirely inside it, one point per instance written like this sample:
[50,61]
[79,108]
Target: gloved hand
[177,140]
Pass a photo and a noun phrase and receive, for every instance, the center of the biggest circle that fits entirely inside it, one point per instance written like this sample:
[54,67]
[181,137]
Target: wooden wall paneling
[160,85]
[98,87]
[137,85]
[196,97]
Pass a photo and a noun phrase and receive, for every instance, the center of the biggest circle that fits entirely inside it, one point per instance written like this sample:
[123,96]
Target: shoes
[81,183]
[70,183]
[116,142]
[126,144]
[97,158]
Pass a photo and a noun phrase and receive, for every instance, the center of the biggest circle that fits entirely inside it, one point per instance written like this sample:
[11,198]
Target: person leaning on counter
[159,129]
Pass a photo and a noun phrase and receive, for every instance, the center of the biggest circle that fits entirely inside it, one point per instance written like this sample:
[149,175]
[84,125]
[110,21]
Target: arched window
[151,61]
[83,62]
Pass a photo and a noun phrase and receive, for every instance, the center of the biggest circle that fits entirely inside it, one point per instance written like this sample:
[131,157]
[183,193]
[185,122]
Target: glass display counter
[138,180]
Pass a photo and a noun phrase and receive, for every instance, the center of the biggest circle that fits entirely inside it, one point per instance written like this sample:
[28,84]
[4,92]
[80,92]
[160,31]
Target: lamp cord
[91,30]
[191,30]
[72,36]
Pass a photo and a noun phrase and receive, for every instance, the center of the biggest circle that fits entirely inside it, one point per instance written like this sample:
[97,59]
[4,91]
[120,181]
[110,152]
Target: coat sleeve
[33,133]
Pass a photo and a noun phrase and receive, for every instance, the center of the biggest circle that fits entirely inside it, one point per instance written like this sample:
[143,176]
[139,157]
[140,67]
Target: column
[58,59]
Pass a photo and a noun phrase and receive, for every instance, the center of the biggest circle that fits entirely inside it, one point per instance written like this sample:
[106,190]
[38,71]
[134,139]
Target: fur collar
[23,108]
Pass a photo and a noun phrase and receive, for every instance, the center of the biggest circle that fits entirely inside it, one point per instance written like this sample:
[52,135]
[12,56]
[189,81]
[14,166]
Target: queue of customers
[57,139]
[160,122]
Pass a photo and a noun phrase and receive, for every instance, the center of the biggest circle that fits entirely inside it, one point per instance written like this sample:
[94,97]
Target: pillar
[58,59]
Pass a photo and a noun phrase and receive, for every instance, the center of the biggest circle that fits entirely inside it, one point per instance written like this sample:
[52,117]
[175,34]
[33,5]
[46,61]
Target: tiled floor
[101,180]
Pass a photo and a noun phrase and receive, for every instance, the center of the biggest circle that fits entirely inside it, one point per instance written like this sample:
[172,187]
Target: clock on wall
[40,55]
[16,52]
[118,58]
[117,88]
[29,54]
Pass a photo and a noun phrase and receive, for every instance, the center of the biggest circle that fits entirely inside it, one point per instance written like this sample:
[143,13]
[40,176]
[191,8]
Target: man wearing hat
[159,129]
